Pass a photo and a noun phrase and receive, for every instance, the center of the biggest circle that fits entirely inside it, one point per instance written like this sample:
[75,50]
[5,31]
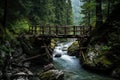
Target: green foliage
[88,10]
[9,36]
[105,48]
[20,26]
[37,12]
[104,61]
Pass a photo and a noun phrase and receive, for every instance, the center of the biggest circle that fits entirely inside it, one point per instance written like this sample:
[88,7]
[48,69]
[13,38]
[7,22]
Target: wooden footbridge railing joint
[61,31]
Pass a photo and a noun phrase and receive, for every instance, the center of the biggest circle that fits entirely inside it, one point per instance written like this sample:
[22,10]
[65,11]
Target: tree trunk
[5,14]
[89,16]
[99,17]
[108,9]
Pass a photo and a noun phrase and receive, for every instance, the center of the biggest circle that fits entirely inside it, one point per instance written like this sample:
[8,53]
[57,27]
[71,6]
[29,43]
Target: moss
[46,75]
[96,58]
[52,75]
[52,44]
[104,61]
[74,48]
[105,48]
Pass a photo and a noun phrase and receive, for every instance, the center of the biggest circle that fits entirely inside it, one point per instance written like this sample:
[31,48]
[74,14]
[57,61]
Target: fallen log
[31,58]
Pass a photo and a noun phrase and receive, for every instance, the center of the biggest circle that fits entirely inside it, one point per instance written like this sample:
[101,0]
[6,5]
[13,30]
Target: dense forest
[21,14]
[21,51]
[104,42]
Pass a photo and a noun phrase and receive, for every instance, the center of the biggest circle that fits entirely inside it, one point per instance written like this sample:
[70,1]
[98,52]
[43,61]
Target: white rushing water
[71,65]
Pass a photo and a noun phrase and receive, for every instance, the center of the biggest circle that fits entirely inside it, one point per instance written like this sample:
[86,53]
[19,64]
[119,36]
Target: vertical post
[74,30]
[43,30]
[65,30]
[79,30]
[83,30]
[49,30]
[56,30]
[40,29]
[29,30]
[90,29]
[32,29]
[35,29]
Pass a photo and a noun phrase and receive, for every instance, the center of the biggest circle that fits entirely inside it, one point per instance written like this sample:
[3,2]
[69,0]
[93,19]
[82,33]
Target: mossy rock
[52,75]
[103,63]
[116,73]
[52,44]
[73,50]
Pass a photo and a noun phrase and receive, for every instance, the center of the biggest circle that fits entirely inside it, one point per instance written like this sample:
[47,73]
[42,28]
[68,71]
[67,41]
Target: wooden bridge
[60,31]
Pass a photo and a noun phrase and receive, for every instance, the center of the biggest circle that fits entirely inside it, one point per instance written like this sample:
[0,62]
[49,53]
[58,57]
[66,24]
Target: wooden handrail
[58,30]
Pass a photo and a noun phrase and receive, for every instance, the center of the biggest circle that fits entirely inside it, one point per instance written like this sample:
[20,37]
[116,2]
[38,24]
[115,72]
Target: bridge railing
[61,30]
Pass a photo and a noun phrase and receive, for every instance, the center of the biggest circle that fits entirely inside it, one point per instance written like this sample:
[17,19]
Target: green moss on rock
[73,50]
[52,75]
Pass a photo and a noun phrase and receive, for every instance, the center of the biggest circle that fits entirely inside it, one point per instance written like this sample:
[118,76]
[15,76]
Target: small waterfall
[71,65]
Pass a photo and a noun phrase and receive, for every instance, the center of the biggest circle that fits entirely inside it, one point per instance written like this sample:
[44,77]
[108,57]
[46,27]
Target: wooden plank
[56,31]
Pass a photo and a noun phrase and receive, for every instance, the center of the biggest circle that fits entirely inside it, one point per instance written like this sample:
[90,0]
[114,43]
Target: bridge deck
[60,31]
[64,36]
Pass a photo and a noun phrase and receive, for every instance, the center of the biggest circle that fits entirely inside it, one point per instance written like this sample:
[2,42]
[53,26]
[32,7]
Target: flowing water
[71,65]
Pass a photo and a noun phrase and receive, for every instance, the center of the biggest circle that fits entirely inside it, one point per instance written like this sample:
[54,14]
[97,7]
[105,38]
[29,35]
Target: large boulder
[52,75]
[73,50]
[96,60]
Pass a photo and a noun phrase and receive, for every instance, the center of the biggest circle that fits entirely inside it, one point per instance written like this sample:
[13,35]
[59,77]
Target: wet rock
[49,67]
[0,74]
[57,55]
[116,73]
[52,75]
[65,48]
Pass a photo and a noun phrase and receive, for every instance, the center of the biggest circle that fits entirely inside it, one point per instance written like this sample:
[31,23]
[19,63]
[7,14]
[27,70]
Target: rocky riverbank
[20,54]
[97,59]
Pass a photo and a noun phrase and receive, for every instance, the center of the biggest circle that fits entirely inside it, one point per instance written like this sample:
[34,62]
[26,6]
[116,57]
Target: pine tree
[69,13]
[63,12]
[88,9]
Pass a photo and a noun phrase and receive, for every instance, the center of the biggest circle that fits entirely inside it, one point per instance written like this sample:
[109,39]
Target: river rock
[116,73]
[64,48]
[52,75]
[73,50]
[49,67]
[57,55]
